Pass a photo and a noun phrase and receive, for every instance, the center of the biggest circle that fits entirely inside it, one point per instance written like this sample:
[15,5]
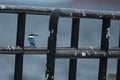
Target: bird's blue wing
[31,40]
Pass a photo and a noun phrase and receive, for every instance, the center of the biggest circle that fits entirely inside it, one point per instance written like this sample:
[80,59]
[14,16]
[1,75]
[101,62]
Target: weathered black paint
[74,44]
[118,62]
[98,14]
[70,53]
[20,43]
[53,24]
[104,46]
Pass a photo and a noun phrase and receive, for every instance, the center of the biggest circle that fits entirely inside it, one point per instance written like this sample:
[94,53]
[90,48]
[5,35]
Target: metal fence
[72,52]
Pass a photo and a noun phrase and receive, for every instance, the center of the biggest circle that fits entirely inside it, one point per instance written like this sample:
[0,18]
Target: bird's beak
[36,35]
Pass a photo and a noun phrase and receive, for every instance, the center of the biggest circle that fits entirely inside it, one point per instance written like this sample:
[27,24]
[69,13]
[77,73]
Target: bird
[32,40]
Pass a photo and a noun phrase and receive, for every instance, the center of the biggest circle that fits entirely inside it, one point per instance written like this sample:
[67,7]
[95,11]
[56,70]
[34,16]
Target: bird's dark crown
[33,35]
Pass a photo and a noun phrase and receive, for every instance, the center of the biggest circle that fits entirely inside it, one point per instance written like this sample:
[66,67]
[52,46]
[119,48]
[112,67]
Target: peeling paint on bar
[104,54]
[108,33]
[2,6]
[65,52]
[76,53]
[53,77]
[83,54]
[65,12]
[13,7]
[71,14]
[95,53]
[100,16]
[113,15]
[9,48]
[91,48]
[84,14]
[47,77]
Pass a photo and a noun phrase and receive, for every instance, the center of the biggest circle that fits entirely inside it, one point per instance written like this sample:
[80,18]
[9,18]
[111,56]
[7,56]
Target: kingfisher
[32,40]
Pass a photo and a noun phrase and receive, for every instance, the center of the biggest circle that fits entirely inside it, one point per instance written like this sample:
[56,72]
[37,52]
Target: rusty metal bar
[83,13]
[104,46]
[74,44]
[20,43]
[53,24]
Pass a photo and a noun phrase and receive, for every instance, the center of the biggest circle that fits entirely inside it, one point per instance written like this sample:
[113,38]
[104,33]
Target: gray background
[34,65]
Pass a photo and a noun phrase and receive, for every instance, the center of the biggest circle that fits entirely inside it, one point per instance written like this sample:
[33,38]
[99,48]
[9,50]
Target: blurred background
[90,35]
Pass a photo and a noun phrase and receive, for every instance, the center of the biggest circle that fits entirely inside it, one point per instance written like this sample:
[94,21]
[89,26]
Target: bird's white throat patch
[31,36]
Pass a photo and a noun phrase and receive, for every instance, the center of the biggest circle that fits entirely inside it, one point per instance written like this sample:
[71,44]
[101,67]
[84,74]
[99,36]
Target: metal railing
[53,52]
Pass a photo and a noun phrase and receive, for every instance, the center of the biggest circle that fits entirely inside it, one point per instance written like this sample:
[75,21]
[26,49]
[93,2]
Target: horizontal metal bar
[65,52]
[83,13]
[87,54]
[65,12]
[25,9]
[26,50]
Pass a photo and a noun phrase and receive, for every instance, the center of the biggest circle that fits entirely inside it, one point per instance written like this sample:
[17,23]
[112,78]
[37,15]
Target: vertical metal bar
[53,24]
[104,46]
[118,62]
[20,43]
[74,44]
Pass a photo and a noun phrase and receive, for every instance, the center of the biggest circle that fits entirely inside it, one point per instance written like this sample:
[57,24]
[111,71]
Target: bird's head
[33,35]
